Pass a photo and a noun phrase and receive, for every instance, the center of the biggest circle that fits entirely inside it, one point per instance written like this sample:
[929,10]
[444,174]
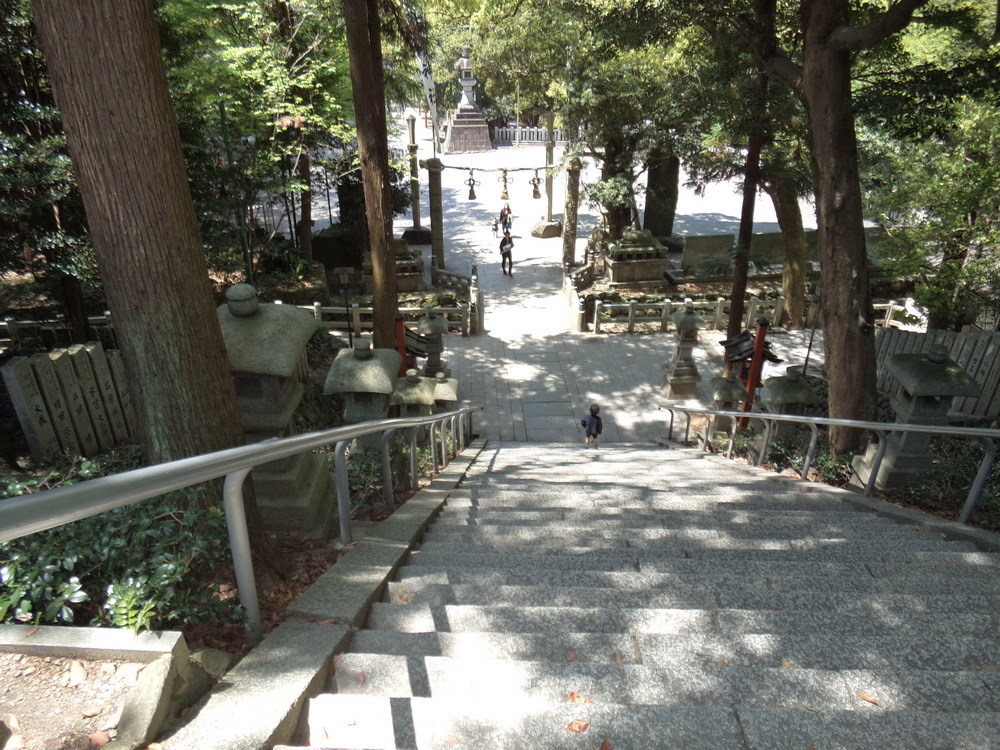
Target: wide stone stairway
[638,598]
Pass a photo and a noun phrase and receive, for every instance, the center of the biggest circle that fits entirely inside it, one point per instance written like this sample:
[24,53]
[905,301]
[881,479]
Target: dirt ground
[62,704]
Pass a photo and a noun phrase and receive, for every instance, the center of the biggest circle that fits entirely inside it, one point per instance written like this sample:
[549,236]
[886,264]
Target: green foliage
[149,565]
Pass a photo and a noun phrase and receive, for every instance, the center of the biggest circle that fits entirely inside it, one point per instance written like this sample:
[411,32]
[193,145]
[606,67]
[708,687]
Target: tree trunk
[793,277]
[305,217]
[365,49]
[130,168]
[847,310]
[662,178]
[751,178]
[618,216]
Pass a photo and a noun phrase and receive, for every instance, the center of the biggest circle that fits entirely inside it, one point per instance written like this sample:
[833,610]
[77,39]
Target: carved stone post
[548,228]
[415,235]
[434,168]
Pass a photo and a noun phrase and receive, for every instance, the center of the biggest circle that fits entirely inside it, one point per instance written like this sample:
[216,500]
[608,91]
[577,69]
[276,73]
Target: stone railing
[359,319]
[526,135]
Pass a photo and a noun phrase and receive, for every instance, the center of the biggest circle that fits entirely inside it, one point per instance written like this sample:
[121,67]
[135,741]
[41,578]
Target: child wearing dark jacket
[592,426]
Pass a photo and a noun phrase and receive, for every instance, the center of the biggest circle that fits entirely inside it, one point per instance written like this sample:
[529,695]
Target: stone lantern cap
[413,390]
[931,373]
[363,370]
[432,324]
[728,389]
[445,389]
[790,388]
[263,339]
[687,319]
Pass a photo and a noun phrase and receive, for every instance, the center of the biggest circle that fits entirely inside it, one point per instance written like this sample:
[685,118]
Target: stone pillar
[433,327]
[415,235]
[930,381]
[434,168]
[548,228]
[682,380]
[570,217]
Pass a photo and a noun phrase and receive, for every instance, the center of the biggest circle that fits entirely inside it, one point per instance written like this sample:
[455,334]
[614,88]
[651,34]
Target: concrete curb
[258,704]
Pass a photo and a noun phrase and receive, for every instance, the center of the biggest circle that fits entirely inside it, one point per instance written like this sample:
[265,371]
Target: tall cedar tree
[110,85]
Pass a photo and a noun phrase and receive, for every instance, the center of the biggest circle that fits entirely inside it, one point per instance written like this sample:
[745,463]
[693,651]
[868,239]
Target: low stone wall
[623,270]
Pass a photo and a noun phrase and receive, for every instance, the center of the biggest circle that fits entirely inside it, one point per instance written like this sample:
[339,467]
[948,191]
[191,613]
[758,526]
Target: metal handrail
[987,437]
[29,514]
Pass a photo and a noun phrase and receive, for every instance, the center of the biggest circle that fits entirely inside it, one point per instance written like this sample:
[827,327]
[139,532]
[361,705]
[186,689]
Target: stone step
[456,618]
[702,528]
[884,651]
[679,518]
[354,722]
[890,730]
[733,596]
[478,679]
[894,559]
[690,542]
[718,580]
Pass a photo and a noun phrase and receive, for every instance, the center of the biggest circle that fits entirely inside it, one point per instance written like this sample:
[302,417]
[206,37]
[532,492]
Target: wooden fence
[977,354]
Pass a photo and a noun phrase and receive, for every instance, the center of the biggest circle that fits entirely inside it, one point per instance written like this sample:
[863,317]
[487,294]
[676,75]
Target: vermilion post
[756,367]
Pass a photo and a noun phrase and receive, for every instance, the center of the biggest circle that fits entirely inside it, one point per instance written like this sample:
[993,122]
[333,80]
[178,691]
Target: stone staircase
[641,598]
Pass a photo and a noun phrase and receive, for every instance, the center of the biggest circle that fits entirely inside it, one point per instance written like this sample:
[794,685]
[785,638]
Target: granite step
[882,651]
[725,579]
[707,596]
[455,618]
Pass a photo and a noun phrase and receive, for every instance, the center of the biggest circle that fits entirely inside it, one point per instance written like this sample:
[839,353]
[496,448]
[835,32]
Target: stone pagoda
[468,131]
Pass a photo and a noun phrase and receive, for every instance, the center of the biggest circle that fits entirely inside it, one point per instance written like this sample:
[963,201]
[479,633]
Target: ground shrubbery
[149,565]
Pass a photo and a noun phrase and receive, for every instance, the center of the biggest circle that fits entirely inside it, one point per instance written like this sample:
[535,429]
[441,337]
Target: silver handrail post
[980,481]
[433,442]
[387,497]
[443,437]
[883,443]
[239,544]
[807,462]
[343,491]
[414,483]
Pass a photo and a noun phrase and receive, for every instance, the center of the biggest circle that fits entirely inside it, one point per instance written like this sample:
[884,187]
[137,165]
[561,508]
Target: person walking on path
[592,426]
[505,217]
[506,262]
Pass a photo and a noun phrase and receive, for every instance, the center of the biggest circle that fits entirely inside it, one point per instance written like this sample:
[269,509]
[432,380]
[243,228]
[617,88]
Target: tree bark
[793,278]
[618,216]
[751,178]
[662,178]
[305,216]
[847,310]
[130,169]
[365,50]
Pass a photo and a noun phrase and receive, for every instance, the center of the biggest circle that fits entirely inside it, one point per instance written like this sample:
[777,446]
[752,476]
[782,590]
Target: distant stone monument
[468,131]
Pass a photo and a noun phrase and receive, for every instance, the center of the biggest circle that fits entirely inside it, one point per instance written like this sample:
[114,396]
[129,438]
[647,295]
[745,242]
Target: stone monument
[683,378]
[266,348]
[929,383]
[468,131]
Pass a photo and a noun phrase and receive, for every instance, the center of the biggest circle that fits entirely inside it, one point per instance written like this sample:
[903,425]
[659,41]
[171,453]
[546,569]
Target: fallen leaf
[810,708]
[91,711]
[720,662]
[578,725]
[404,598]
[453,740]
[575,697]
[870,698]
[77,673]
[362,679]
[99,739]
[991,668]
[31,632]
[154,746]
[606,746]
[785,664]
[618,659]
[571,656]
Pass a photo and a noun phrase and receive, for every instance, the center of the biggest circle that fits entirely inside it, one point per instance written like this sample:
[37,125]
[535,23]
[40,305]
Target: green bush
[150,565]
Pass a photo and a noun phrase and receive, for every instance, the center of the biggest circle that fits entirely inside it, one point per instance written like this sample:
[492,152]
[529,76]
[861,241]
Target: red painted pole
[756,367]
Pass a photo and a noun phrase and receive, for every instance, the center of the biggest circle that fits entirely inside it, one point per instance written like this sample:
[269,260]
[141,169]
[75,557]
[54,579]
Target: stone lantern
[364,377]
[683,379]
[788,394]
[266,348]
[413,395]
[929,383]
[433,327]
[728,394]
[445,393]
